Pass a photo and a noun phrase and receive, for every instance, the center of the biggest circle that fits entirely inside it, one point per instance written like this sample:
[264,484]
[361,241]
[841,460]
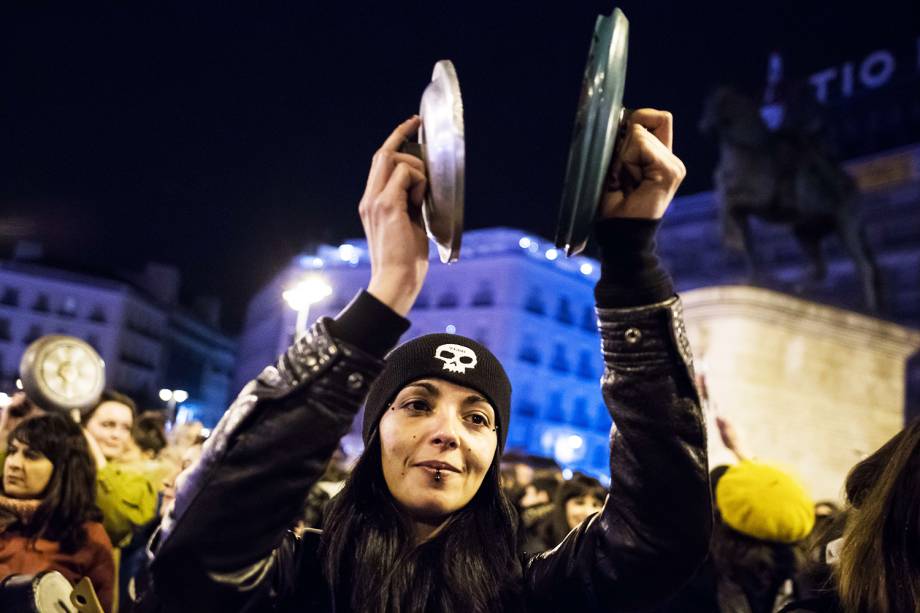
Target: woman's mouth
[435,466]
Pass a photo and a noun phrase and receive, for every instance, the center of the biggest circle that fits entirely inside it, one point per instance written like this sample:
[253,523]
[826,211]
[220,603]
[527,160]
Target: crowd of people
[86,499]
[435,514]
[81,493]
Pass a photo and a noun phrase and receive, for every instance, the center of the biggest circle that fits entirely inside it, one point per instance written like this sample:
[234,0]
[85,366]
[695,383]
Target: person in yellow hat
[763,502]
[762,513]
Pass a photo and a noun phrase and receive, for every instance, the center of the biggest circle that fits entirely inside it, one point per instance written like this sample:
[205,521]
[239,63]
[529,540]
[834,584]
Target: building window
[585,368]
[448,300]
[141,330]
[4,329]
[589,319]
[98,315]
[10,297]
[534,303]
[526,408]
[68,308]
[564,312]
[41,304]
[484,296]
[529,352]
[35,332]
[580,415]
[422,302]
[554,410]
[559,363]
[93,341]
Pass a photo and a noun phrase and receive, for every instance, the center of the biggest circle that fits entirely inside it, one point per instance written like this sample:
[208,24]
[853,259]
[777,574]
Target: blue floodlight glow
[311,262]
[348,253]
[524,242]
[586,268]
[451,329]
[551,254]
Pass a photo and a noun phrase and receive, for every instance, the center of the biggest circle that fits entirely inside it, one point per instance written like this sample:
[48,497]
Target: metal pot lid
[444,153]
[597,126]
[62,373]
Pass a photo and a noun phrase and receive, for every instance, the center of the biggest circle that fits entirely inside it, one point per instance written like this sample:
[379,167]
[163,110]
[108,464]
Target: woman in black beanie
[422,524]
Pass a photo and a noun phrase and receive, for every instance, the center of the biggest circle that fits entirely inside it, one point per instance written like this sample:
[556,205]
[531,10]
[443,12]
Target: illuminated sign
[873,71]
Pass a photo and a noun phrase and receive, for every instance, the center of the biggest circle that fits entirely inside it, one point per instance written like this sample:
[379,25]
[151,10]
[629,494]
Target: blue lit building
[511,291]
[147,339]
[534,308]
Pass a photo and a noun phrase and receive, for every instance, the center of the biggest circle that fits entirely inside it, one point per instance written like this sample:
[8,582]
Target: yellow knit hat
[764,502]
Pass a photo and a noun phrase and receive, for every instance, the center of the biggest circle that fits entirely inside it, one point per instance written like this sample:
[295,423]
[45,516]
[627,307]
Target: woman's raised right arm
[234,506]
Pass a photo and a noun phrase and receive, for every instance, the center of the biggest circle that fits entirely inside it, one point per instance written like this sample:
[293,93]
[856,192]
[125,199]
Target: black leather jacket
[226,546]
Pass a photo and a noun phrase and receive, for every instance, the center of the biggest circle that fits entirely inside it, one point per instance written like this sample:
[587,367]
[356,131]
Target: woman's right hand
[391,215]
[94,449]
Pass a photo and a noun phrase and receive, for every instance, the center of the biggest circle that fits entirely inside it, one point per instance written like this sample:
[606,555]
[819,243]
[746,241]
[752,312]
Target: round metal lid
[597,125]
[444,152]
[62,373]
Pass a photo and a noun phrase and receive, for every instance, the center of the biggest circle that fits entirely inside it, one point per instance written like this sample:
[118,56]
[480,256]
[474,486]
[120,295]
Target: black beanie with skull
[450,357]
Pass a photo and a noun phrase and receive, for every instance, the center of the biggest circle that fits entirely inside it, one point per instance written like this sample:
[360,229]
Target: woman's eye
[419,406]
[479,419]
[32,455]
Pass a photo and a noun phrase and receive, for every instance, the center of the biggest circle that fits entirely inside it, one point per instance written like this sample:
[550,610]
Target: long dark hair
[759,568]
[69,499]
[556,525]
[372,564]
[879,566]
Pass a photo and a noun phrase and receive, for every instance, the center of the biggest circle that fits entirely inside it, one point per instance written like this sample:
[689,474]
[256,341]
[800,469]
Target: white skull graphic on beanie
[456,358]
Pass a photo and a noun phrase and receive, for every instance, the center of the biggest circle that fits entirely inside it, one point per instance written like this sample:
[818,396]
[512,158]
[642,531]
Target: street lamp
[172,398]
[303,295]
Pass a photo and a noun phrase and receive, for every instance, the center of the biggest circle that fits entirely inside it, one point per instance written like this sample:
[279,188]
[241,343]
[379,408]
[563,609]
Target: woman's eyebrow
[476,399]
[428,387]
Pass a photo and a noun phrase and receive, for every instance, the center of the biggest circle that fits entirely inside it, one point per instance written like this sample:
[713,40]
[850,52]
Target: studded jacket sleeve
[234,507]
[654,528]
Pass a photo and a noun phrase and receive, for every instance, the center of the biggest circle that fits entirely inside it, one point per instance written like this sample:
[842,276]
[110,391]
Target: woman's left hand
[646,175]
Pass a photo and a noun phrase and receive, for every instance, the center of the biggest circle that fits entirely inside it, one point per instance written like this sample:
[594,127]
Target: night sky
[224,140]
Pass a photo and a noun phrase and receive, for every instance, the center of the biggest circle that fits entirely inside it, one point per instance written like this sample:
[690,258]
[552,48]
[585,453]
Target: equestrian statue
[784,177]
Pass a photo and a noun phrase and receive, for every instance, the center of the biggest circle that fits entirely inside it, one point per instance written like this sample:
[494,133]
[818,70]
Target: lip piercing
[437,474]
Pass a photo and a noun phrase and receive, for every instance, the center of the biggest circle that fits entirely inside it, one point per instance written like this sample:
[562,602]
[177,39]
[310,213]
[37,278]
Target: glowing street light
[302,296]
[172,398]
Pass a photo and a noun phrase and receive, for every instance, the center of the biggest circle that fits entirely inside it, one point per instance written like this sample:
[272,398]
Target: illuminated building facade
[511,291]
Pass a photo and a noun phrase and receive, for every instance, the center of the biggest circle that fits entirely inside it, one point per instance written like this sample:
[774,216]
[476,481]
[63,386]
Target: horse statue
[784,177]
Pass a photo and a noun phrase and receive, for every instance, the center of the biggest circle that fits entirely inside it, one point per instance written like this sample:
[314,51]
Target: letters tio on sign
[874,71]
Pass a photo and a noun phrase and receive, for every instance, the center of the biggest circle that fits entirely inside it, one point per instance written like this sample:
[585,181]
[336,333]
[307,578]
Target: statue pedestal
[809,387]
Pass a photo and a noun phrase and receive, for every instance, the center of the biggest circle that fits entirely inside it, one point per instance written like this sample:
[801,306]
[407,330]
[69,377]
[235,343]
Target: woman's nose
[445,433]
